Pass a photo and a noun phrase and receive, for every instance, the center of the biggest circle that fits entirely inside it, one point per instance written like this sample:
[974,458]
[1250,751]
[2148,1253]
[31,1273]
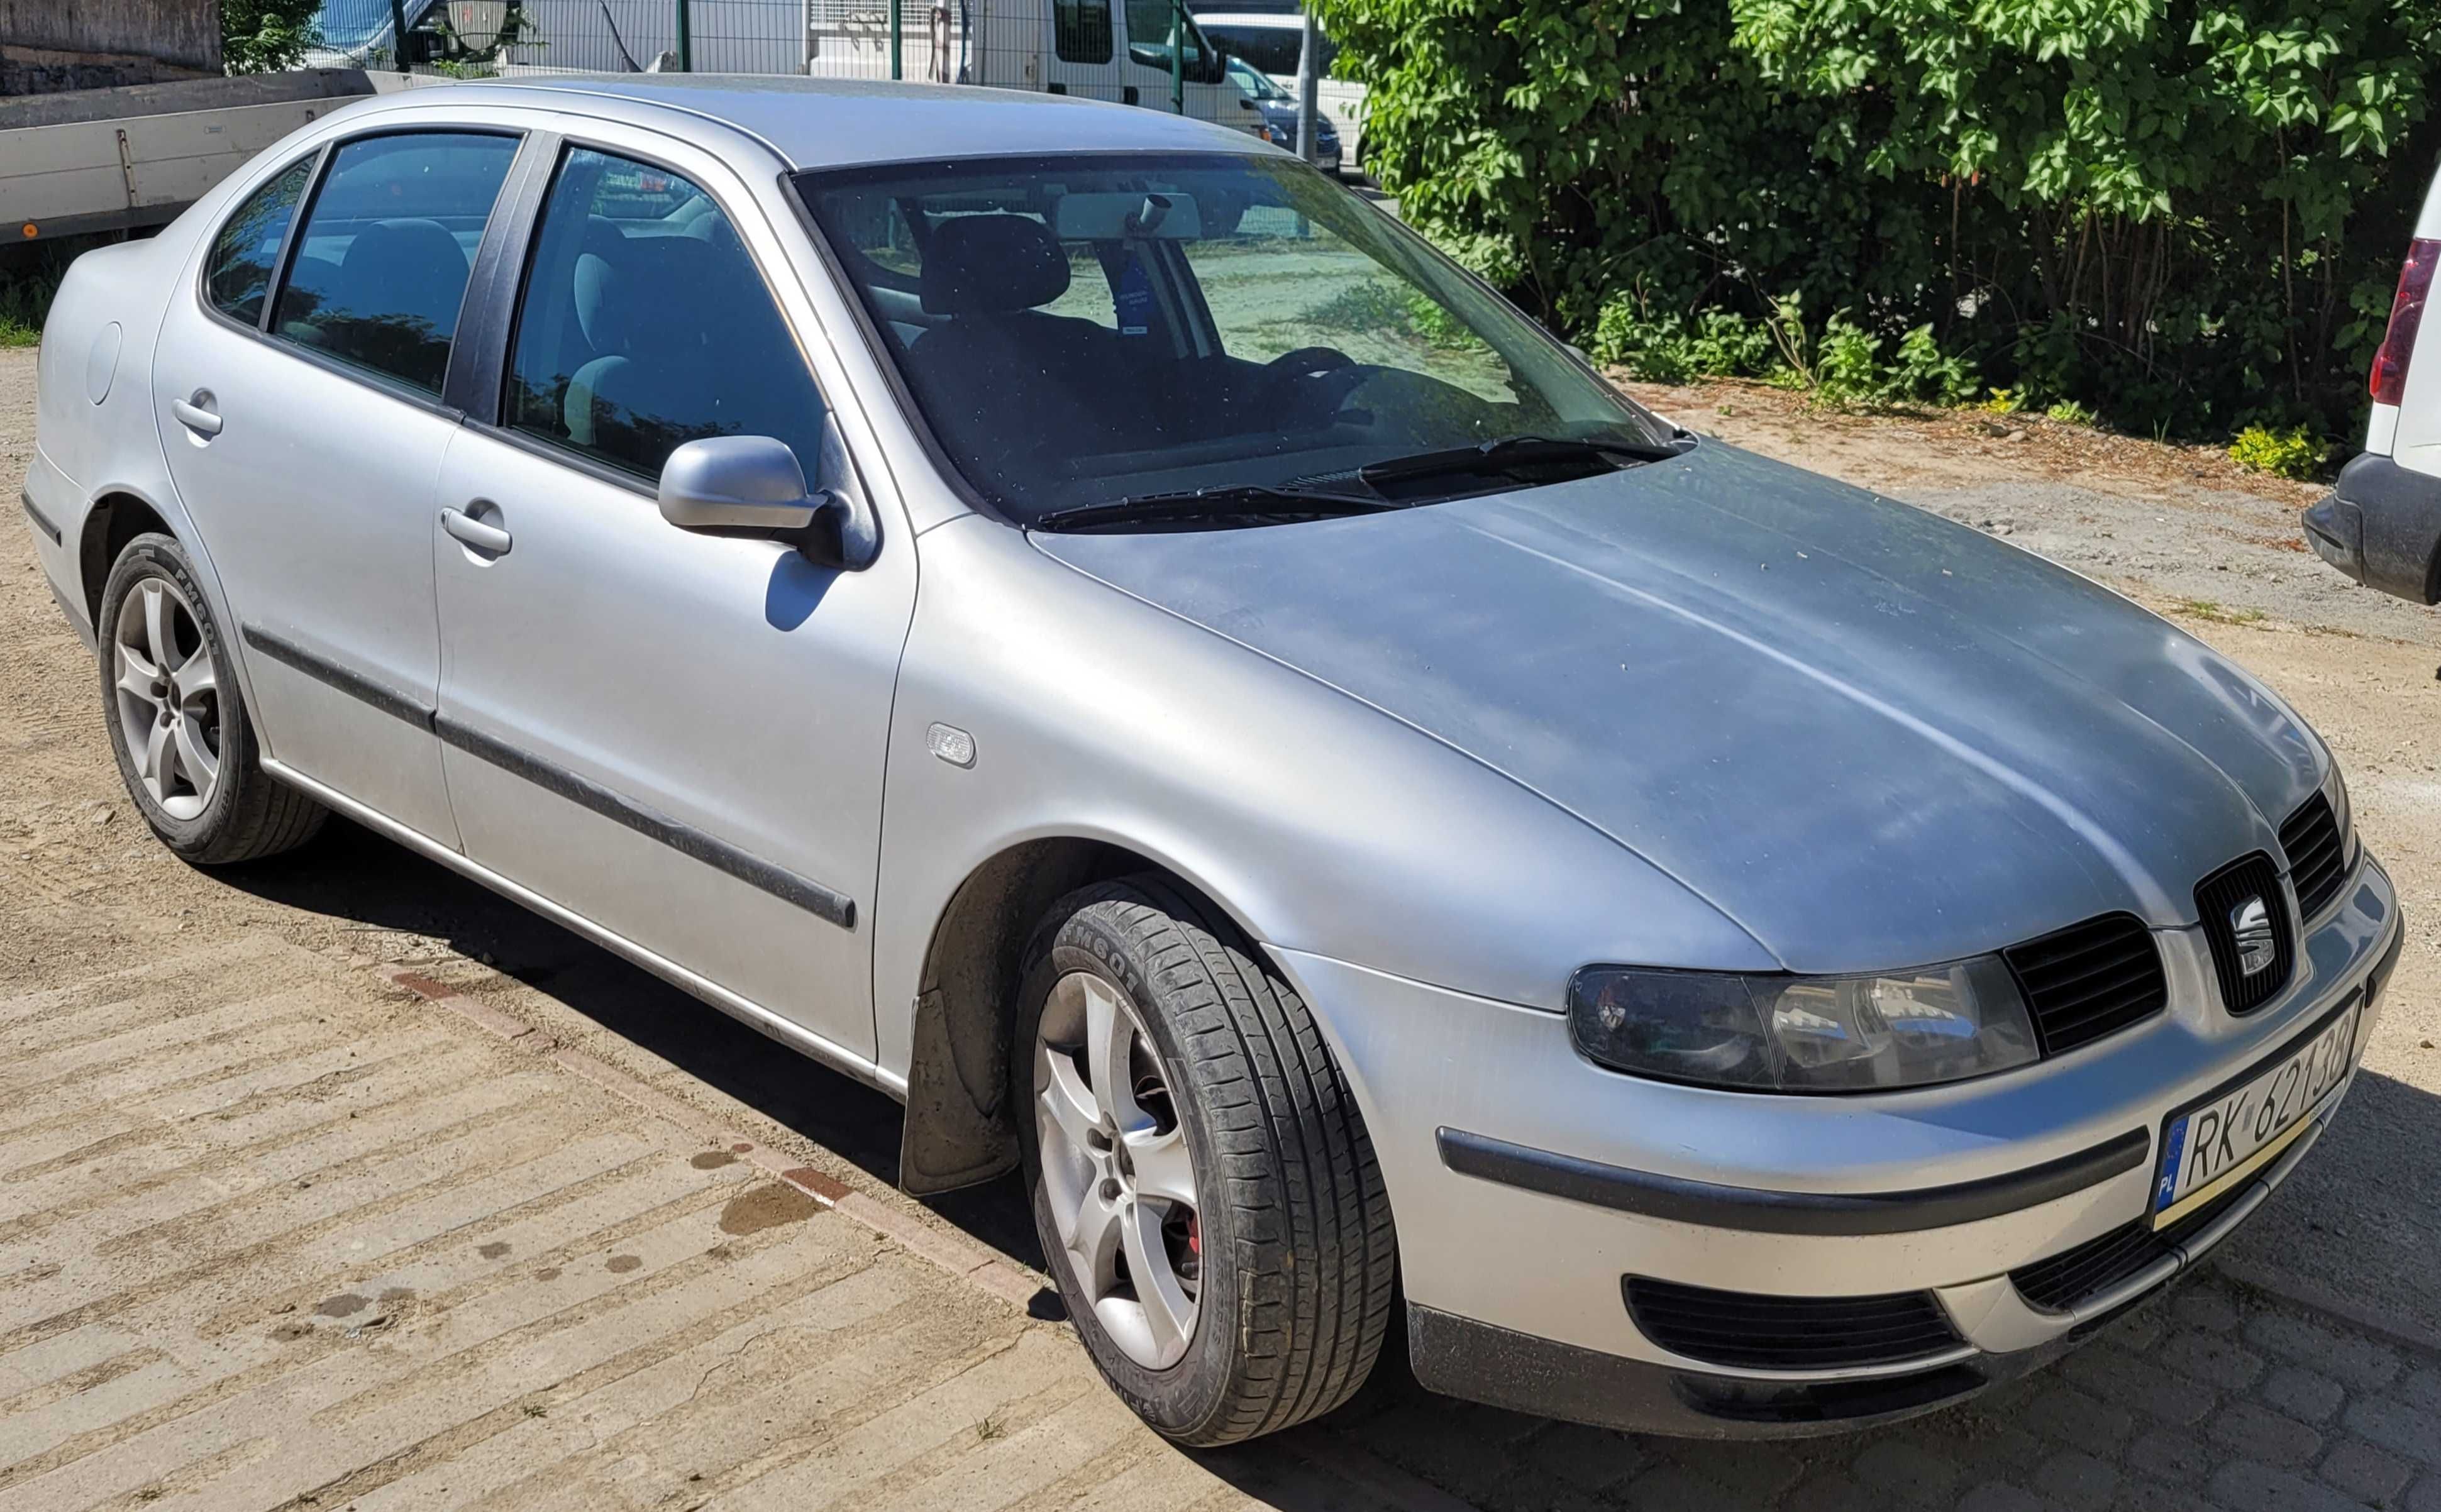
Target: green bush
[2289,454]
[1672,349]
[265,36]
[2186,214]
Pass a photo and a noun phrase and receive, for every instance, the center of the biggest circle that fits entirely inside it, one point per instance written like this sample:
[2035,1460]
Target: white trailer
[92,160]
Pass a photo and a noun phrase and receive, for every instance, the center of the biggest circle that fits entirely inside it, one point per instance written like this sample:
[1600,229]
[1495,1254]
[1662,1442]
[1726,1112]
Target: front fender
[1318,823]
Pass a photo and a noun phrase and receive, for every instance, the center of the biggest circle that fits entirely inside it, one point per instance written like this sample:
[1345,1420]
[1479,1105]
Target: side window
[239,274]
[382,257]
[644,325]
[1080,31]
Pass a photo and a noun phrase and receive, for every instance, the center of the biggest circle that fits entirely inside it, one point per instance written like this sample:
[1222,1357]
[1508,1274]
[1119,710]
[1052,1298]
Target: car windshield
[1082,331]
[1256,84]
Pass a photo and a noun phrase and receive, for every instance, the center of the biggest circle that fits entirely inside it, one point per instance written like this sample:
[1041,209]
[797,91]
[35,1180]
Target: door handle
[475,533]
[193,414]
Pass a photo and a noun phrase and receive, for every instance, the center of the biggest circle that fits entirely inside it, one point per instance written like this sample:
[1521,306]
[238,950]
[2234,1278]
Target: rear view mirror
[752,485]
[1104,217]
[736,483]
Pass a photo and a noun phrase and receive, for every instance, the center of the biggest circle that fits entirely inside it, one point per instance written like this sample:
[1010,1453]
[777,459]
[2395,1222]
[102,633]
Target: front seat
[1002,377]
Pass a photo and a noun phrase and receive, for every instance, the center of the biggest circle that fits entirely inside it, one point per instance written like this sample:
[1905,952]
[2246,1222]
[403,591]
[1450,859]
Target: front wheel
[1206,1195]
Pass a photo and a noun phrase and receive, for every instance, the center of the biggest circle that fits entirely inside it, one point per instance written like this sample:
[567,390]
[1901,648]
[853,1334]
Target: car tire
[177,720]
[1296,1221]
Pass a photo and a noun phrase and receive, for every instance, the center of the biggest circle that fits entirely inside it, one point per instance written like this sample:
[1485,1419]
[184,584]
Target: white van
[2381,524]
[1103,49]
[1270,40]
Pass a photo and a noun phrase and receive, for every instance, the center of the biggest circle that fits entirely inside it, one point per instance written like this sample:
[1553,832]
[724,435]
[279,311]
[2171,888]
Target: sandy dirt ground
[281,1228]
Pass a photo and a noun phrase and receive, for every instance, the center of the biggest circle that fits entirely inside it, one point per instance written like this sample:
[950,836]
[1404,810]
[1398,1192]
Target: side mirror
[752,485]
[1243,103]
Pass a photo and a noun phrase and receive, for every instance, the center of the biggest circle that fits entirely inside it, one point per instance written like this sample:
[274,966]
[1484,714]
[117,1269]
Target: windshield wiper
[1508,455]
[1232,501]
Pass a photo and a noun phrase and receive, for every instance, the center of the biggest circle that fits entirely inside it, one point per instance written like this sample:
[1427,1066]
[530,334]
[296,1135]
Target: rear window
[382,257]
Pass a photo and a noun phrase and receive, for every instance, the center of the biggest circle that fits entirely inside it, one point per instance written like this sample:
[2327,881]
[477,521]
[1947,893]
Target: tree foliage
[266,36]
[2185,213]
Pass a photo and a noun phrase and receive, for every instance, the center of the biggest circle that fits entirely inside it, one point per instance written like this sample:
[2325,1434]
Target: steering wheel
[1307,361]
[1315,381]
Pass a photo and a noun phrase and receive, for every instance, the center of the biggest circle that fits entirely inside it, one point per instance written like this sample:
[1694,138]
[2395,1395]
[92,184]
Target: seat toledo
[1062,613]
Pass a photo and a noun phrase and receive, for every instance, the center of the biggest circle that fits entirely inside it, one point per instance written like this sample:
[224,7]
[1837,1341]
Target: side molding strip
[804,892]
[42,521]
[355,684]
[822,902]
[1684,1200]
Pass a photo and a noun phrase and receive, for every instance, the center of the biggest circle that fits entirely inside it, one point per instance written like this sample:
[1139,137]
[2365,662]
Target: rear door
[677,737]
[299,388]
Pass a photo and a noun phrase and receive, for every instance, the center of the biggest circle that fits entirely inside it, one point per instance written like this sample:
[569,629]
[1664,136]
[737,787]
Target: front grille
[2094,1267]
[2089,980]
[2217,897]
[1748,1332]
[2316,853]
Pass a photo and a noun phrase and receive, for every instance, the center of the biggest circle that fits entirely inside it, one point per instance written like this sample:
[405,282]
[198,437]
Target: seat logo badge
[2251,922]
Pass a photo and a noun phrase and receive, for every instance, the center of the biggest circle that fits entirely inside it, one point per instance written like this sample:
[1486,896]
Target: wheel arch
[115,518]
[959,1129]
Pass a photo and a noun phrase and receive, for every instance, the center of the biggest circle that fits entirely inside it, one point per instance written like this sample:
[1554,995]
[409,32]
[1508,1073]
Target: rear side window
[239,274]
[382,257]
[644,325]
[1080,31]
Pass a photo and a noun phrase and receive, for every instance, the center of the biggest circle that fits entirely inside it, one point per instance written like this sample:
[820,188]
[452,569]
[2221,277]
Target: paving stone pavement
[2215,1397]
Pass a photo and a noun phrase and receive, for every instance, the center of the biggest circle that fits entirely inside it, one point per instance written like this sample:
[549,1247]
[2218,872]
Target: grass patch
[2215,612]
[25,293]
[2283,454]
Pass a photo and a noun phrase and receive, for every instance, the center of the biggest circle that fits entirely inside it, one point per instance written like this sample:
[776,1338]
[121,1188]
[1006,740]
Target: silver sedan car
[1064,614]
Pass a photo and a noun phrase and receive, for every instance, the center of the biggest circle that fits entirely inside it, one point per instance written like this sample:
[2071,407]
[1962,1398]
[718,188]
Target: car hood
[1870,736]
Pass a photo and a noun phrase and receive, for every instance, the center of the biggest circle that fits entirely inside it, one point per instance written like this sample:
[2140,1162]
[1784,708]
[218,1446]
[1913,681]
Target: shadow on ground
[351,873]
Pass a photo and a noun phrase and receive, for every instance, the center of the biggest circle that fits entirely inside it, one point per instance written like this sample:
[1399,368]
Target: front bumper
[1516,1281]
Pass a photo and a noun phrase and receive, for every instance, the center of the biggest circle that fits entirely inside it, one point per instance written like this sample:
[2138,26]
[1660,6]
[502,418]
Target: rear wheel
[178,725]
[1206,1193]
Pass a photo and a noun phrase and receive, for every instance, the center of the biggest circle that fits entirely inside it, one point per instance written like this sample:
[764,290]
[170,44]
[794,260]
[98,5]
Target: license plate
[2214,1145]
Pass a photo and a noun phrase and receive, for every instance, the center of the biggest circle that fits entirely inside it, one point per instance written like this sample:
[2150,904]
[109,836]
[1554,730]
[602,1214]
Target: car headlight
[1789,1033]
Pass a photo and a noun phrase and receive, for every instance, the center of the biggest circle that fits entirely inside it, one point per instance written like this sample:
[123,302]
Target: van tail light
[2389,378]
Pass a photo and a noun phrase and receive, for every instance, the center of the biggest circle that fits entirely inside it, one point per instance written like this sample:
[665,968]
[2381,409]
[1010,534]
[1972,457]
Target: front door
[677,737]
[304,432]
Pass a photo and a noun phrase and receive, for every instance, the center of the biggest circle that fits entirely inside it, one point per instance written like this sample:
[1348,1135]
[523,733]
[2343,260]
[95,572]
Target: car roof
[816,123]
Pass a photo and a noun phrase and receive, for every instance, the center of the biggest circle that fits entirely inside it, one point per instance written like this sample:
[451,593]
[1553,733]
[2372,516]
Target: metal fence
[1114,49]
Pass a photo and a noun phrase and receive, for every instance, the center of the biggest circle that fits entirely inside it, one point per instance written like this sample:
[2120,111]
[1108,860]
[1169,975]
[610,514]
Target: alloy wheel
[167,694]
[1117,1171]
